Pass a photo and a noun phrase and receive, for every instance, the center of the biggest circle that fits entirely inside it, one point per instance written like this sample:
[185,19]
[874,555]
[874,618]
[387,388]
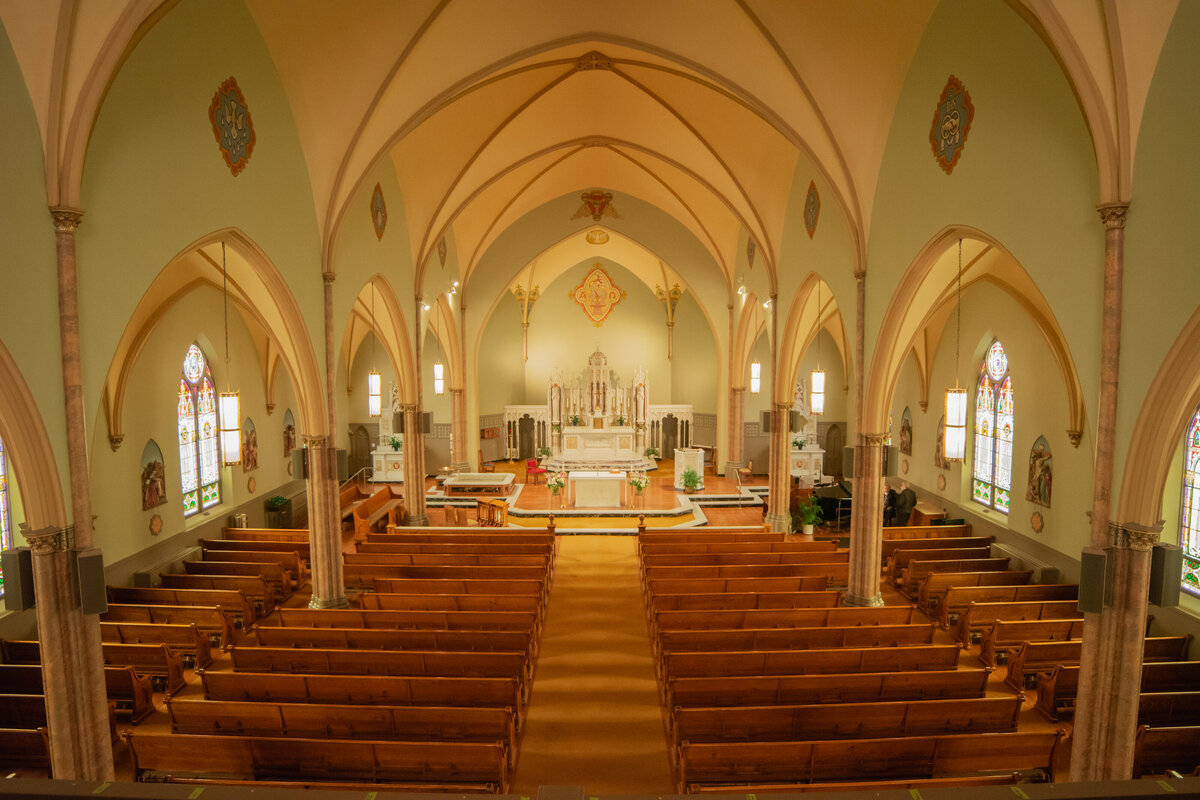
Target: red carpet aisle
[594,718]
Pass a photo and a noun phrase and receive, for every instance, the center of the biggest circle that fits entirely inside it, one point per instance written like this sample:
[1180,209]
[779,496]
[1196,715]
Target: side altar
[387,462]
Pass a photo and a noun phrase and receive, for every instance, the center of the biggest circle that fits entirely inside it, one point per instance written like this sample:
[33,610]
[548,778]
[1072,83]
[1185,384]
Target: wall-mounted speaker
[343,465]
[891,461]
[1166,572]
[1093,580]
[18,578]
[89,569]
[848,462]
[426,422]
[300,463]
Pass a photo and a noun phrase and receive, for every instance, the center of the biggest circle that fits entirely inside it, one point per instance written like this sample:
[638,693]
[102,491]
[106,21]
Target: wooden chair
[484,466]
[745,473]
[532,468]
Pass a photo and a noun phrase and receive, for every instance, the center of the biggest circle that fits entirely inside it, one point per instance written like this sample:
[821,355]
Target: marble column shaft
[458,430]
[866,521]
[737,427]
[779,515]
[324,526]
[414,465]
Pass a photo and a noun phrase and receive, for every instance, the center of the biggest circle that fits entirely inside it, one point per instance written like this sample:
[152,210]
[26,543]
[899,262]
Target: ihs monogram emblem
[951,124]
[232,126]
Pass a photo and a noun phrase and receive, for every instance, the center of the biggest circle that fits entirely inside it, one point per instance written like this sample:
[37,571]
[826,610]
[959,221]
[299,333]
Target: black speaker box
[1093,580]
[300,463]
[18,578]
[89,568]
[765,423]
[1166,572]
[343,465]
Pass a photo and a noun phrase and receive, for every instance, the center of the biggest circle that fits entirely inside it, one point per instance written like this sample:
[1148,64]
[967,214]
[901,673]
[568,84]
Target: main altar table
[478,482]
[602,489]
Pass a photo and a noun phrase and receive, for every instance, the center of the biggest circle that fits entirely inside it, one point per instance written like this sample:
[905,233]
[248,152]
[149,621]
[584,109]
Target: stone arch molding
[31,455]
[257,290]
[804,323]
[391,331]
[921,299]
[1167,409]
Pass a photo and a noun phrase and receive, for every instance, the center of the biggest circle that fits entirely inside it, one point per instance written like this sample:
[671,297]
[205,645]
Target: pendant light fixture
[956,399]
[229,404]
[817,395]
[374,379]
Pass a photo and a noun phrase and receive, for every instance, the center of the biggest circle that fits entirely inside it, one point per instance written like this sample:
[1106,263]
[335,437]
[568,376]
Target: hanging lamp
[955,440]
[228,403]
[817,395]
[374,379]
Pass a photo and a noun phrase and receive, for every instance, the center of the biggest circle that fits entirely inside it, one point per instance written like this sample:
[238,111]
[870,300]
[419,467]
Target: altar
[597,443]
[597,489]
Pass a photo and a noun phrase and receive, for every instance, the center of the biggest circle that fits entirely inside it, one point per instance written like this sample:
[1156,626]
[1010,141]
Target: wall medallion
[232,126]
[904,465]
[951,124]
[378,211]
[596,236]
[597,295]
[251,484]
[1037,522]
[597,204]
[941,483]
[156,525]
[812,209]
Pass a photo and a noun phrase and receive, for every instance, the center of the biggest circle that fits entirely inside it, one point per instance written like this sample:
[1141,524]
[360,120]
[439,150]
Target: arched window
[5,519]
[199,453]
[993,431]
[1189,519]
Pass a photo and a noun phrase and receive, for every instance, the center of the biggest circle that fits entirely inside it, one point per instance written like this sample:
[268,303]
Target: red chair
[532,468]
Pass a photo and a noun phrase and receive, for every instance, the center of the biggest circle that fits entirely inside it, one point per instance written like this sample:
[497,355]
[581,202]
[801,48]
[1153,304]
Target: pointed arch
[391,330]
[804,323]
[27,445]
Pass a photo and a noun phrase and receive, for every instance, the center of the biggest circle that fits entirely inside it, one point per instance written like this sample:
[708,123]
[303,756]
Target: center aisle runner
[593,718]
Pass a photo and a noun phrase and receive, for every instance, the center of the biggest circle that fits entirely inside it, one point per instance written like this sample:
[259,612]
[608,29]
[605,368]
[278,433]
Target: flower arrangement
[556,481]
[797,443]
[574,420]
[638,481]
[620,420]
[394,443]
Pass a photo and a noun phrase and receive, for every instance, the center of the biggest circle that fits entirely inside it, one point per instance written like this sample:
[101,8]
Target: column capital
[1074,437]
[860,275]
[49,540]
[329,277]
[315,442]
[1131,536]
[782,408]
[1113,214]
[66,219]
[874,439]
[408,408]
[738,389]
[455,391]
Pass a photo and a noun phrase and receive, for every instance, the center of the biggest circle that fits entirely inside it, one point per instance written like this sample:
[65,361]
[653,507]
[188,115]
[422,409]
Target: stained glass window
[1189,519]
[199,453]
[5,519]
[992,483]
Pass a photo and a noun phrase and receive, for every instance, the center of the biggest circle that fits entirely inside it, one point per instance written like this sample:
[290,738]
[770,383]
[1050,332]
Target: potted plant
[394,443]
[690,480]
[556,428]
[797,443]
[574,420]
[807,514]
[543,452]
[650,452]
[620,420]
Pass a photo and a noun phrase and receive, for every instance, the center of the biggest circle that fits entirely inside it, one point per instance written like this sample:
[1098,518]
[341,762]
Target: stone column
[1106,665]
[866,521]
[414,465]
[324,525]
[458,430]
[737,425]
[72,666]
[779,516]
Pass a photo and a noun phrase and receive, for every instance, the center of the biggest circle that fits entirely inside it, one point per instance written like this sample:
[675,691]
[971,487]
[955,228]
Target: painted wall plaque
[232,126]
[906,432]
[378,211]
[154,477]
[597,295]
[1041,473]
[812,209]
[249,446]
[289,433]
[951,124]
[939,447]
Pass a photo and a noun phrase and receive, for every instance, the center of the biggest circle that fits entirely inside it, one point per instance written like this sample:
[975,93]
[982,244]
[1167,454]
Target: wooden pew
[784,618]
[479,548]
[288,561]
[154,661]
[280,581]
[232,602]
[1030,658]
[979,616]
[682,548]
[390,764]
[184,639]
[381,506]
[861,687]
[28,711]
[890,546]
[804,662]
[364,575]
[958,598]
[745,600]
[334,721]
[443,536]
[1009,633]
[397,620]
[26,748]
[836,574]
[351,497]
[901,557]
[1157,750]
[794,638]
[537,560]
[935,585]
[382,639]
[775,723]
[723,559]
[256,546]
[1056,690]
[926,531]
[1169,709]
[452,602]
[416,663]
[727,764]
[915,572]
[363,689]
[209,620]
[812,583]
[129,690]
[523,586]
[256,590]
[294,535]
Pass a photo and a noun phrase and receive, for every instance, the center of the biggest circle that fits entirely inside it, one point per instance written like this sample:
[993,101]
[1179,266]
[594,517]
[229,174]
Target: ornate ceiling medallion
[598,204]
[441,247]
[597,295]
[951,124]
[378,211]
[812,209]
[751,249]
[232,125]
[596,236]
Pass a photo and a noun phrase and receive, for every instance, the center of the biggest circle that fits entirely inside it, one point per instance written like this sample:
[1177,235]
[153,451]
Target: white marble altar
[688,458]
[597,444]
[479,482]
[387,465]
[597,489]
[807,464]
